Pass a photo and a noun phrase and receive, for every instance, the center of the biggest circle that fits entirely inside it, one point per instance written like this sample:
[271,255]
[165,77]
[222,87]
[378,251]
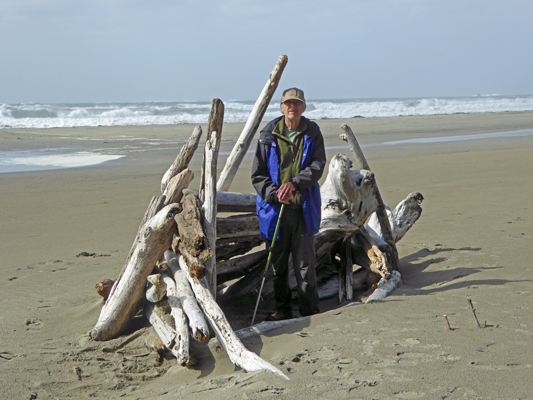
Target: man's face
[293,110]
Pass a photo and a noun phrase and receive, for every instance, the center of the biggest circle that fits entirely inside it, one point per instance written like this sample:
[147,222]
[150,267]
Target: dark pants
[293,240]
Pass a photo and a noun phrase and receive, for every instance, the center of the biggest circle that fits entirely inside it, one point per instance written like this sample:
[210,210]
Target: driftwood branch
[237,353]
[214,124]
[129,289]
[183,159]
[209,208]
[197,322]
[243,142]
[380,211]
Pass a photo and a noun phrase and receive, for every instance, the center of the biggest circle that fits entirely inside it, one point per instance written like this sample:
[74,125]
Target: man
[288,163]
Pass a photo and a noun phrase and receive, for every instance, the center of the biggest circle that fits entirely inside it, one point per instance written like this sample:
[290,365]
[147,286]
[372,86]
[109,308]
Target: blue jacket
[265,177]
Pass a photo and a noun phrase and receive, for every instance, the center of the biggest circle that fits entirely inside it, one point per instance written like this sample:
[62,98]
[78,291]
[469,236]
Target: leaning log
[181,345]
[183,159]
[214,124]
[256,116]
[197,322]
[380,211]
[209,207]
[129,289]
[174,188]
[238,354]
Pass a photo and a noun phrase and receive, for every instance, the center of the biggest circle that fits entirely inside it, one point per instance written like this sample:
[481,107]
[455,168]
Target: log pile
[187,245]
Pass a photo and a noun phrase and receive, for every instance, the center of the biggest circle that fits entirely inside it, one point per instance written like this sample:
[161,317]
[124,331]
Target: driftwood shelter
[192,243]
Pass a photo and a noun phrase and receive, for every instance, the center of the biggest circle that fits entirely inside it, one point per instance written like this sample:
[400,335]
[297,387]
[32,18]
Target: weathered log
[347,197]
[237,226]
[174,188]
[129,289]
[192,241]
[256,116]
[380,211]
[155,205]
[401,219]
[209,207]
[162,324]
[214,124]
[197,322]
[181,345]
[231,201]
[385,287]
[183,159]
[156,288]
[236,351]
[232,247]
[239,266]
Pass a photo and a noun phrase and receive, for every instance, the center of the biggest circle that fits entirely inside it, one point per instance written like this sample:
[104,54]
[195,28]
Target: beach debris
[184,251]
[104,287]
[447,323]
[473,313]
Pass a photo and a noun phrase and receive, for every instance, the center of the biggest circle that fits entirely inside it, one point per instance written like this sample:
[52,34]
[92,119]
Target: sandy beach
[473,241]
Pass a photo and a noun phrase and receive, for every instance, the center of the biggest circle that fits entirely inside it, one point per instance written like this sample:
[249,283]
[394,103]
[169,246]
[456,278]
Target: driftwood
[174,188]
[380,211]
[237,353]
[209,208]
[238,226]
[156,288]
[243,142]
[231,201]
[214,124]
[181,344]
[183,159]
[192,241]
[197,322]
[129,289]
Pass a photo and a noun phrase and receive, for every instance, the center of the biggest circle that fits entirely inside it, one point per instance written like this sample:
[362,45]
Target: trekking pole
[268,261]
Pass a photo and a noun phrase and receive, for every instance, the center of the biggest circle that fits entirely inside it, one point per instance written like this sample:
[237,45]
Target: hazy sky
[175,50]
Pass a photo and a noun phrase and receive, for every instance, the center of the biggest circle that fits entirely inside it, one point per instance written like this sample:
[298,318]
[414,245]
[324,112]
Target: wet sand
[473,241]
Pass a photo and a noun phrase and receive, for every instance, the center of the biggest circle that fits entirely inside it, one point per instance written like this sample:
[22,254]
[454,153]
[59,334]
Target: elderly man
[288,163]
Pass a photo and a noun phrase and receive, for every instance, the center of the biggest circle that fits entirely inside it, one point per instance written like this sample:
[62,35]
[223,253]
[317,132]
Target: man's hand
[285,192]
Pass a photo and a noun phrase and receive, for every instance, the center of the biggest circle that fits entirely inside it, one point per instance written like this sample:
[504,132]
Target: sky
[64,51]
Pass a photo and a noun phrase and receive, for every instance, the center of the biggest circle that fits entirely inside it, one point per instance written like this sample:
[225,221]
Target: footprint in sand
[33,323]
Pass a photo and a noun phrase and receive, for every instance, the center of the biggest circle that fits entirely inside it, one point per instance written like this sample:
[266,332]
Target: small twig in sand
[473,312]
[447,323]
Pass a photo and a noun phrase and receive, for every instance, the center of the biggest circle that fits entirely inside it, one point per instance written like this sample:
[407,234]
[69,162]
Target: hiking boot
[279,316]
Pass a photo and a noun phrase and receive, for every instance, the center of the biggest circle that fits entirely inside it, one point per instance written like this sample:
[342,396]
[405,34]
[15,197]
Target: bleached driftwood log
[197,322]
[214,124]
[129,289]
[175,186]
[237,226]
[162,324]
[181,345]
[231,201]
[347,197]
[380,210]
[183,159]
[243,142]
[238,354]
[401,219]
[209,208]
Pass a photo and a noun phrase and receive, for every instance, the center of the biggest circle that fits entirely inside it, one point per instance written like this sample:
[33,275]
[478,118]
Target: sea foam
[34,115]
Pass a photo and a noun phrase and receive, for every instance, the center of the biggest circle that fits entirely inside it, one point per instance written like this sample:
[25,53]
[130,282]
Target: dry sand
[472,241]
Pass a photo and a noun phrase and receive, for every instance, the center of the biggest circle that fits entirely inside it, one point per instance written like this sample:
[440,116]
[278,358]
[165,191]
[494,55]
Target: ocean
[40,116]
[37,115]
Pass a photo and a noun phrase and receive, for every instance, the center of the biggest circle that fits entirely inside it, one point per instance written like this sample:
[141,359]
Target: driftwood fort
[190,242]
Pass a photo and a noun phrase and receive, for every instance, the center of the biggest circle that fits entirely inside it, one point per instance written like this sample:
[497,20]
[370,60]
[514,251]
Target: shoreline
[472,241]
